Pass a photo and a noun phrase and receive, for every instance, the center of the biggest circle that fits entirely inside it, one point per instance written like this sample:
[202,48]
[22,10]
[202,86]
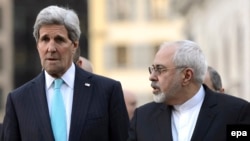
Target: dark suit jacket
[1,127]
[152,122]
[98,111]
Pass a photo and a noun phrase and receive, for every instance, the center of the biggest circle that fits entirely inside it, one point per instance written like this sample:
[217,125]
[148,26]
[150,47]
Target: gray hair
[189,54]
[60,16]
[215,78]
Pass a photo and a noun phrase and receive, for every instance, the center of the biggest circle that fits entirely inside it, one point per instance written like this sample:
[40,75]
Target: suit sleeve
[119,121]
[10,124]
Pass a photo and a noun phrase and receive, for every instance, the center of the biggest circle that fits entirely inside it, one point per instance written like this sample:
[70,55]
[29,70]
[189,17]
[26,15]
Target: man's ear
[75,46]
[222,90]
[79,62]
[188,74]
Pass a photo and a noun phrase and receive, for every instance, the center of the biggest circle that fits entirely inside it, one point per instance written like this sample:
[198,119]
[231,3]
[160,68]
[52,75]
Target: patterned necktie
[58,113]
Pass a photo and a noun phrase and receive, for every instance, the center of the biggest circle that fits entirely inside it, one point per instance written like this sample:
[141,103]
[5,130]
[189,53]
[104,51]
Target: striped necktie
[58,113]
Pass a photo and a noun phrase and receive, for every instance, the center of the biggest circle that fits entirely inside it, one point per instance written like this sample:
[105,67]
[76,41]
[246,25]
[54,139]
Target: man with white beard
[184,109]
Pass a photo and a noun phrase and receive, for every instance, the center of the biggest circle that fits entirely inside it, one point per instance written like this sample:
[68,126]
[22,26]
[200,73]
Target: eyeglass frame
[162,68]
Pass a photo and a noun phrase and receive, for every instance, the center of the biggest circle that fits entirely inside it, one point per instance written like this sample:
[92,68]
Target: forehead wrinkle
[52,29]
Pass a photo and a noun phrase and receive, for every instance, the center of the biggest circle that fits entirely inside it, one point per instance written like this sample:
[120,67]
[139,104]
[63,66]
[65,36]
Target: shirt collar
[192,102]
[68,77]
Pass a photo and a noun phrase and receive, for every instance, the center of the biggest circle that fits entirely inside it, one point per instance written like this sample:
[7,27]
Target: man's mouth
[52,59]
[156,89]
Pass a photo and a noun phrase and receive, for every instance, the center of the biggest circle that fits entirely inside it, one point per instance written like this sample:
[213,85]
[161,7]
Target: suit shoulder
[150,111]
[231,99]
[22,87]
[151,107]
[93,76]
[25,87]
[225,101]
[223,98]
[103,78]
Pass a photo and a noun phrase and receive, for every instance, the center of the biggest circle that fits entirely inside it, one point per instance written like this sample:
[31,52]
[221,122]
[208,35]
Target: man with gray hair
[64,102]
[213,80]
[184,109]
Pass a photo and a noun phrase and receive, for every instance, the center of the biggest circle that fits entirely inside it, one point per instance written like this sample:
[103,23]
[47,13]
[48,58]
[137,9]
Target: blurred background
[121,37]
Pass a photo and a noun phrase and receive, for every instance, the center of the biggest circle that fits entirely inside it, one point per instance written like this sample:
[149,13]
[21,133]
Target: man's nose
[153,77]
[51,46]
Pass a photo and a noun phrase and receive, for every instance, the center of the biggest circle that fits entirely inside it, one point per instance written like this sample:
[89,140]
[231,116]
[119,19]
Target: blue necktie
[58,113]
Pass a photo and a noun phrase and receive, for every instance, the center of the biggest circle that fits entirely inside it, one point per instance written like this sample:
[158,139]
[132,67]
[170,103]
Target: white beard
[159,98]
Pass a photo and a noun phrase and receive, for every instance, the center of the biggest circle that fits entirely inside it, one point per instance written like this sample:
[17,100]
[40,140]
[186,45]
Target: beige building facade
[124,36]
[222,29]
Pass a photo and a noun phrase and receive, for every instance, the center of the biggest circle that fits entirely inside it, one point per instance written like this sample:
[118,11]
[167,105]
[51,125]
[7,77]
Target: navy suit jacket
[152,122]
[98,111]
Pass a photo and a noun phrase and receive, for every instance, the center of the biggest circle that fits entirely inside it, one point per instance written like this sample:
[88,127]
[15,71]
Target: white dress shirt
[184,117]
[66,90]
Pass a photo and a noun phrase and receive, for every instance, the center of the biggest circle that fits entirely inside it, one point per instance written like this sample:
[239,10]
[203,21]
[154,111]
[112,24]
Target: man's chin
[159,98]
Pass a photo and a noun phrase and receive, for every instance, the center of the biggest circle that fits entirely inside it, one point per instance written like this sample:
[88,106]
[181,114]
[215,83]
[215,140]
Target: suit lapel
[206,116]
[164,124]
[82,93]
[40,102]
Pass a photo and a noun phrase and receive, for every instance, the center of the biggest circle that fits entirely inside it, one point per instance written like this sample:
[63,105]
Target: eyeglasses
[159,69]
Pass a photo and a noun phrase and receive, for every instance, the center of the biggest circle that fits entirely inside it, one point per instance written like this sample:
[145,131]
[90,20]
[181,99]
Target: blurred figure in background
[131,102]
[213,80]
[82,62]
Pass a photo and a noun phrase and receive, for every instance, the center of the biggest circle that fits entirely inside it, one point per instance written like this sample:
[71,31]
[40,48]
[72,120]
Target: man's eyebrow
[159,66]
[44,35]
[59,35]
